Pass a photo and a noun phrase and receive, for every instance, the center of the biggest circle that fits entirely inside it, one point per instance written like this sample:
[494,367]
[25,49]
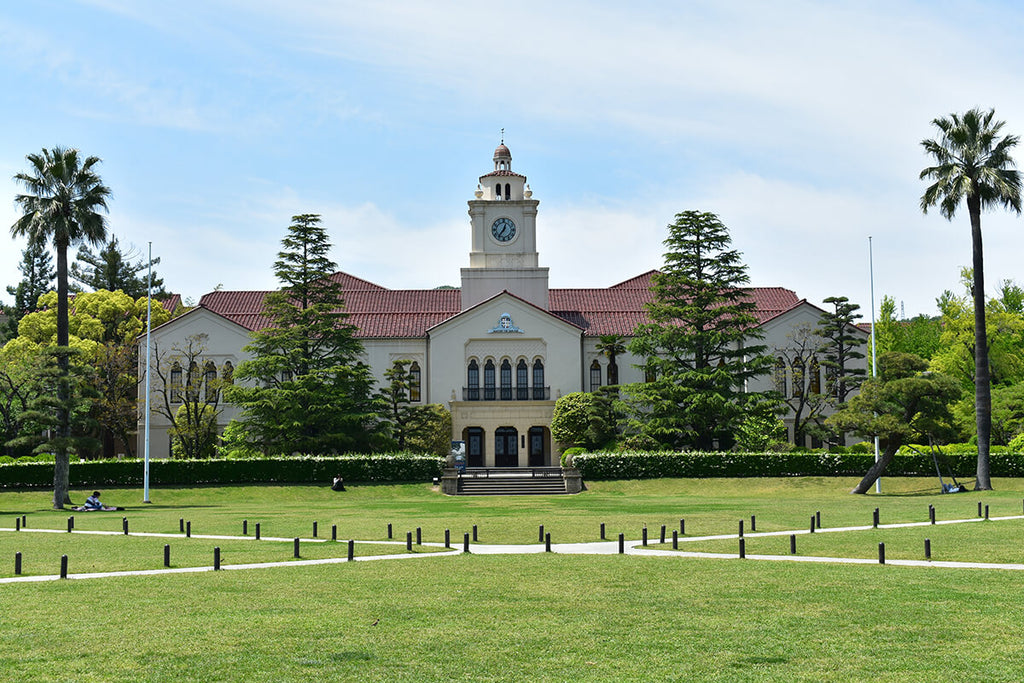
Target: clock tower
[503,221]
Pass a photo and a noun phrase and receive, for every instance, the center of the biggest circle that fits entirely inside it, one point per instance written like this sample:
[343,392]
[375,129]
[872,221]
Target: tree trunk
[876,470]
[982,381]
[61,465]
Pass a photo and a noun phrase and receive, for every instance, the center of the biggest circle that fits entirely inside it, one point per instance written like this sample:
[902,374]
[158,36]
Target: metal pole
[149,329]
[874,333]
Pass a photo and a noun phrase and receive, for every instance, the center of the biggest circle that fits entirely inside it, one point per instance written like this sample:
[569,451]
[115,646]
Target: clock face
[503,229]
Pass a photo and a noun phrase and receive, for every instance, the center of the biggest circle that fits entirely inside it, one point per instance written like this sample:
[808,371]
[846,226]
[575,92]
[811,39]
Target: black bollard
[465,543]
[167,555]
[17,563]
[645,536]
[257,531]
[389,530]
[216,559]
[874,519]
[663,533]
[792,544]
[124,525]
[682,527]
[817,518]
[881,553]
[245,527]
[314,529]
[547,543]
[334,532]
[622,544]
[743,548]
[986,512]
[979,508]
[602,531]
[740,534]
[71,523]
[408,540]
[295,550]
[351,550]
[753,523]
[931,514]
[24,521]
[927,548]
[675,540]
[474,533]
[812,524]
[540,535]
[419,536]
[63,566]
[447,538]
[188,529]
[17,524]
[181,524]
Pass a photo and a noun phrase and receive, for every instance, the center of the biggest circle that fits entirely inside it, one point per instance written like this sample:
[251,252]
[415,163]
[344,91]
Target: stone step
[511,486]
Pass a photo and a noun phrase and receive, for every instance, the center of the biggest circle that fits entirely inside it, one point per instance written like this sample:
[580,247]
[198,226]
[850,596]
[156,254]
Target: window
[489,380]
[286,376]
[506,380]
[227,373]
[815,379]
[176,382]
[650,373]
[613,372]
[779,375]
[595,375]
[538,380]
[497,190]
[522,380]
[211,381]
[798,376]
[193,382]
[508,192]
[414,382]
[475,447]
[473,381]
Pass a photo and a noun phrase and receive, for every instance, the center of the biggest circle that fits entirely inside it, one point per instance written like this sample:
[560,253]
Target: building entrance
[475,447]
[506,447]
[538,458]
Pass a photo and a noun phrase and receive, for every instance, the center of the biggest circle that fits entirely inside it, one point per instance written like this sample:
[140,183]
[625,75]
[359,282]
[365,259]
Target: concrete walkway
[630,547]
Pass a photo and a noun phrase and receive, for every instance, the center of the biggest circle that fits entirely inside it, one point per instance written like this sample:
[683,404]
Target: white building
[498,351]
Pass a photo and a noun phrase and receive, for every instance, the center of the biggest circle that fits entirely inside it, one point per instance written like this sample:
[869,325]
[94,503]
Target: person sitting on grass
[93,502]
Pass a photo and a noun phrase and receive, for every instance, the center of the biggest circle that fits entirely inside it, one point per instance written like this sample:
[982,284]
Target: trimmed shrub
[292,470]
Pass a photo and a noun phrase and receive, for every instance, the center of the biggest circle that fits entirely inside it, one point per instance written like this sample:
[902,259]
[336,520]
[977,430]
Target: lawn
[503,618]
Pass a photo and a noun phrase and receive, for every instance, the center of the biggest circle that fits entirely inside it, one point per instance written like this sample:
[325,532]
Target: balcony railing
[506,393]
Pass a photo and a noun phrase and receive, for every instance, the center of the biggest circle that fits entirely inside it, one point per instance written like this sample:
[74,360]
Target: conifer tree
[840,348]
[37,279]
[113,269]
[306,388]
[702,344]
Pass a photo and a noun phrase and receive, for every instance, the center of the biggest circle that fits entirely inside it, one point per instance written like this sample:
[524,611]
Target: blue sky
[798,123]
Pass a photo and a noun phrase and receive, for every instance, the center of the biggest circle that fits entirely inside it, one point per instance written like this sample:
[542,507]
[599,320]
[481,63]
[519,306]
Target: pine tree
[841,348]
[113,269]
[305,389]
[701,346]
[37,279]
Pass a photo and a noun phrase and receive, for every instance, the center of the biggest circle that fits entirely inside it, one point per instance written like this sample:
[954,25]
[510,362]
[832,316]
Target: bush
[293,470]
[696,465]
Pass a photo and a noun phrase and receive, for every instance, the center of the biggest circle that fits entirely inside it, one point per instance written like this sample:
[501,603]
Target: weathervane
[503,136]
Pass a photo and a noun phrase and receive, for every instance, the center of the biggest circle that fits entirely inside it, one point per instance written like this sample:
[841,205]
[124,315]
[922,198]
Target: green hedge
[636,465]
[291,470]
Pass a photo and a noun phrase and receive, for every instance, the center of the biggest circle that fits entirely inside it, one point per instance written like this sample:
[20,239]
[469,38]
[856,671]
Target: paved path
[630,547]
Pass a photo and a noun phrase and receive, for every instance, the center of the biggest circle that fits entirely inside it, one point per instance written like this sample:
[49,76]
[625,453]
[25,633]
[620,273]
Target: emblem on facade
[505,324]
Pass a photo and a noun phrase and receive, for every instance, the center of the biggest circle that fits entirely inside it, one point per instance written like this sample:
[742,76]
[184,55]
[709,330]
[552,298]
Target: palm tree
[612,346]
[973,162]
[62,200]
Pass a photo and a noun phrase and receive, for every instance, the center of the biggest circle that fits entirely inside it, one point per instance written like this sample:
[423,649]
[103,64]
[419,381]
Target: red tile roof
[408,313]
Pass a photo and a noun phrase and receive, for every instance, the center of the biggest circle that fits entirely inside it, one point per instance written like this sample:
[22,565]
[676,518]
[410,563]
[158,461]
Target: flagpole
[149,327]
[874,357]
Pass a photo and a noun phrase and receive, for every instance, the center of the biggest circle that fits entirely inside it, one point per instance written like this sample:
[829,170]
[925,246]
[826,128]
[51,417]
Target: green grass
[515,618]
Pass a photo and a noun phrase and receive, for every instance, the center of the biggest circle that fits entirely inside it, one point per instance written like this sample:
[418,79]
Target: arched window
[538,381]
[613,372]
[497,191]
[522,380]
[595,375]
[508,192]
[489,380]
[473,381]
[211,381]
[650,373]
[193,382]
[798,376]
[414,382]
[227,373]
[506,380]
[779,375]
[176,382]
[815,377]
[287,376]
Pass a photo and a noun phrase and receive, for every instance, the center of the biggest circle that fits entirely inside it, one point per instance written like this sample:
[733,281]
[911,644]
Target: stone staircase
[511,481]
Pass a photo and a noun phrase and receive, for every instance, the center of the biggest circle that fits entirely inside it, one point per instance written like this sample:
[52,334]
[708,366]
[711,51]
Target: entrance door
[506,447]
[475,447]
[537,455]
